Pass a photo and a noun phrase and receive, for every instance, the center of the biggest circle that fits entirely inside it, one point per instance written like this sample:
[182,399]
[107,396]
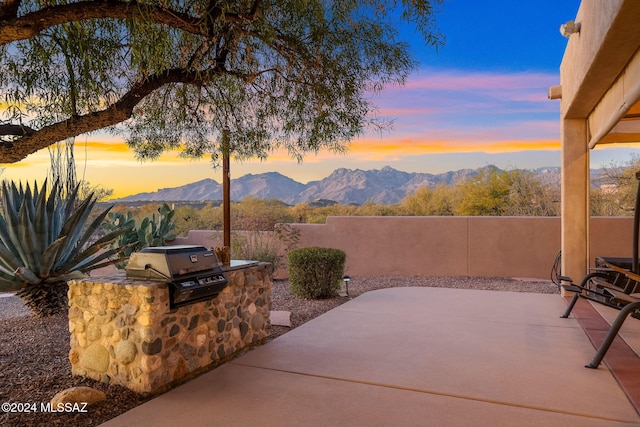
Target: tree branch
[13,28]
[15,130]
[29,140]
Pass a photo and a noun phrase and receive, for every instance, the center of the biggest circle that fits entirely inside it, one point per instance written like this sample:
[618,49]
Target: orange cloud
[408,147]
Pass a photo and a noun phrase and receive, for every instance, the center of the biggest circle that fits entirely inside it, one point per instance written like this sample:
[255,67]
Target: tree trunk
[46,299]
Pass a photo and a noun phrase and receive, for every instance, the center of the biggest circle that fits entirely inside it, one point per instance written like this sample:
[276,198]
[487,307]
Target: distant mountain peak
[347,186]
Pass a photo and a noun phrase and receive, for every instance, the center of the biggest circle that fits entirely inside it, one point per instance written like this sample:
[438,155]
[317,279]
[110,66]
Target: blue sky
[480,99]
[502,35]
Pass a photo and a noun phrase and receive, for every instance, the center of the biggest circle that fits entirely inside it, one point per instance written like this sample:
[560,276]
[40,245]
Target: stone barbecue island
[124,332]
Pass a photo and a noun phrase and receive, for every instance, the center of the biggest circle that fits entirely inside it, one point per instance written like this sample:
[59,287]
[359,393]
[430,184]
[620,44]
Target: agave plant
[45,240]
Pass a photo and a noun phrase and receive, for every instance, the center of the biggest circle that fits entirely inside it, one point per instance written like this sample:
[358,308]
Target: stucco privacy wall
[449,246]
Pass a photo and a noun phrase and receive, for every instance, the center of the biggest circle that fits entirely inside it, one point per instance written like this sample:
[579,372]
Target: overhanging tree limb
[279,73]
[16,130]
[14,28]
[32,141]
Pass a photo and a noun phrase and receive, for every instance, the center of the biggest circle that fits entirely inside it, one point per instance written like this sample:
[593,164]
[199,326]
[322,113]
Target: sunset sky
[481,99]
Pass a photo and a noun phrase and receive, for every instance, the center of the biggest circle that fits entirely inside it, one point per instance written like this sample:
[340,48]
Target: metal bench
[607,275]
[611,283]
[630,306]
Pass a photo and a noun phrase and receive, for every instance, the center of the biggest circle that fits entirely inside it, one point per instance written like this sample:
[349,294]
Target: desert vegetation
[492,192]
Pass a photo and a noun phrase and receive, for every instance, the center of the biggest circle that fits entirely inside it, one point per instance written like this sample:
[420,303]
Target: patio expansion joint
[506,321]
[437,393]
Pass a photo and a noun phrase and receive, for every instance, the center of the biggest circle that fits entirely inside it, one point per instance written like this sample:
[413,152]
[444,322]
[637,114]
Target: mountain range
[345,186]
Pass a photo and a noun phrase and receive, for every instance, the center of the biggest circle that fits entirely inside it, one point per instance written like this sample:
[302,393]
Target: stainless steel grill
[193,272]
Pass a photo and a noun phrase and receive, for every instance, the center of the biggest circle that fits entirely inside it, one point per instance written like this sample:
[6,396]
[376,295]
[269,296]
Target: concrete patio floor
[411,357]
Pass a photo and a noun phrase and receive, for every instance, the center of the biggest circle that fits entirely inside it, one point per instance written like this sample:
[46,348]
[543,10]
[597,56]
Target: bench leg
[567,312]
[613,331]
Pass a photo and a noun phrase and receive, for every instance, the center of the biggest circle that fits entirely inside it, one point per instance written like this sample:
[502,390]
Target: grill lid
[193,272]
[171,263]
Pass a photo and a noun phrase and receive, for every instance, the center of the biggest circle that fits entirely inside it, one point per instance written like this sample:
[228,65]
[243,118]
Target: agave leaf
[7,276]
[55,215]
[27,275]
[4,269]
[91,263]
[41,219]
[8,259]
[105,263]
[70,201]
[95,224]
[9,196]
[85,259]
[73,227]
[36,192]
[27,237]
[80,259]
[27,201]
[72,275]
[73,220]
[5,238]
[8,285]
[50,257]
[107,238]
[5,234]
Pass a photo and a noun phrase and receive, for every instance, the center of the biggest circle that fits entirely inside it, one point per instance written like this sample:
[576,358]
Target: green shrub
[315,272]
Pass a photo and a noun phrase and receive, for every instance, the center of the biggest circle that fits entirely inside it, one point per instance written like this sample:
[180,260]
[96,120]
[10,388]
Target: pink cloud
[458,80]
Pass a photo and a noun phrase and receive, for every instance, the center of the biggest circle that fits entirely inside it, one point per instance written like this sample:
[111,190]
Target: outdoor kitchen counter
[124,332]
[238,264]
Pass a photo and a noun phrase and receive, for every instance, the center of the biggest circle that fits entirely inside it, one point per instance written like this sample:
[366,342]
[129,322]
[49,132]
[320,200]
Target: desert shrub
[255,246]
[265,246]
[315,272]
[259,214]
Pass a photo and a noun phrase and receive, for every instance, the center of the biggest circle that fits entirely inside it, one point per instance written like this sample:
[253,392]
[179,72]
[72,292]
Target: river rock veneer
[123,331]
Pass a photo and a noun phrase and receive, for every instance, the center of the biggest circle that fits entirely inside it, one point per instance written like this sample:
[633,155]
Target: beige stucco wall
[441,246]
[450,246]
[598,79]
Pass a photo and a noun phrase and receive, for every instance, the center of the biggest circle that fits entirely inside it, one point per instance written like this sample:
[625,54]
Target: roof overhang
[615,117]
[600,72]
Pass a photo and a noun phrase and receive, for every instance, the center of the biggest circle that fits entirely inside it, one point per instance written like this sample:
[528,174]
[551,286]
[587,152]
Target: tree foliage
[291,74]
[514,192]
[426,201]
[616,189]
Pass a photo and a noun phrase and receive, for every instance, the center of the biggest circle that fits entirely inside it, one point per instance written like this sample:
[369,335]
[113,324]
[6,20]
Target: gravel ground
[34,362]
